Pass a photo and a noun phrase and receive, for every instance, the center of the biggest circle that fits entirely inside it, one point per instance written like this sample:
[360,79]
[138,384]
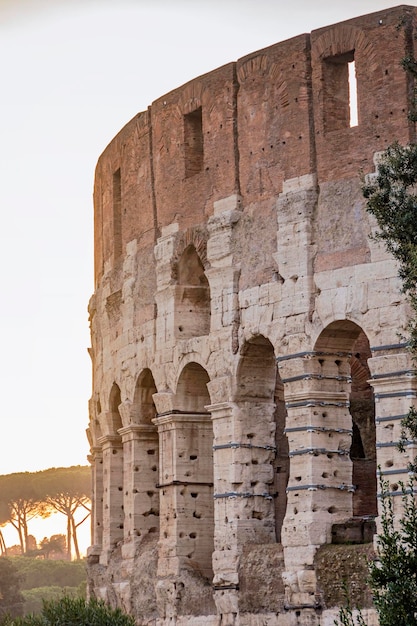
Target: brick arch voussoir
[252,68]
[196,237]
[191,98]
[344,38]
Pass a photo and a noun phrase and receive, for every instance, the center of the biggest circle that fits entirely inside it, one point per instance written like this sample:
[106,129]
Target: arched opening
[260,394]
[113,478]
[281,462]
[348,338]
[141,452]
[192,301]
[192,394]
[193,457]
[115,422]
[363,448]
[144,410]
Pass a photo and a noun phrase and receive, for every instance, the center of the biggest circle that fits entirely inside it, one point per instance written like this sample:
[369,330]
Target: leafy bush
[45,573]
[73,612]
[11,599]
[34,598]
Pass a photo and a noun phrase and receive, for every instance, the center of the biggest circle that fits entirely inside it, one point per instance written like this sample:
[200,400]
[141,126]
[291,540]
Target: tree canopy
[11,598]
[26,495]
[20,502]
[67,490]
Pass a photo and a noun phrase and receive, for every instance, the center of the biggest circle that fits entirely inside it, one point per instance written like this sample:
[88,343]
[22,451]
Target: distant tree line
[26,582]
[27,495]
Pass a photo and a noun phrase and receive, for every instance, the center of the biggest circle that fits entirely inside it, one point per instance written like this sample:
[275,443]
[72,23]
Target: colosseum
[250,369]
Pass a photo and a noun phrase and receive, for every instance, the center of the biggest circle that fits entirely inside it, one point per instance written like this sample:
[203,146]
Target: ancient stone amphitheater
[249,362]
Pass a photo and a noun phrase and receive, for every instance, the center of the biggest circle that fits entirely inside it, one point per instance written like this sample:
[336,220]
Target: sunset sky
[73,72]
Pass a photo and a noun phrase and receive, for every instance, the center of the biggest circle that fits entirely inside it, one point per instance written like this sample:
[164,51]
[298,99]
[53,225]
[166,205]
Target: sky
[73,73]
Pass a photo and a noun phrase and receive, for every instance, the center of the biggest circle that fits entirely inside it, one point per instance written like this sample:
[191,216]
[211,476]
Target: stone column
[319,430]
[243,479]
[395,386]
[113,513]
[186,487]
[186,507]
[96,461]
[140,471]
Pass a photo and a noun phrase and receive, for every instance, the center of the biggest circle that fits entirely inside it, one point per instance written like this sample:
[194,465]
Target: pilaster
[319,430]
[394,382]
[96,462]
[113,513]
[141,497]
[243,502]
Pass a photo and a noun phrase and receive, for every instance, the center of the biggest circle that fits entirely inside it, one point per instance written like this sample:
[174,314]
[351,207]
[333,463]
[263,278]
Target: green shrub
[73,612]
[34,598]
[45,573]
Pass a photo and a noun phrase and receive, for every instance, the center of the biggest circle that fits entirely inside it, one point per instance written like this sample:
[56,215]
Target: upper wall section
[274,115]
[375,43]
[274,118]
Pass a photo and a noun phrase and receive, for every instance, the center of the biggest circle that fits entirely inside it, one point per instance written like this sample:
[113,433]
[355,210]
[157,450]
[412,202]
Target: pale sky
[73,72]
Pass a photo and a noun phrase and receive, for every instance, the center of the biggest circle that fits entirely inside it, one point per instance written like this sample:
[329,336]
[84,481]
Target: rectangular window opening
[340,105]
[353,95]
[117,214]
[193,142]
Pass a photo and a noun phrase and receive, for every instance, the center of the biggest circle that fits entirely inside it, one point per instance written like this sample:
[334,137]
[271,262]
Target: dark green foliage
[34,598]
[45,573]
[346,616]
[392,199]
[74,612]
[11,599]
[394,576]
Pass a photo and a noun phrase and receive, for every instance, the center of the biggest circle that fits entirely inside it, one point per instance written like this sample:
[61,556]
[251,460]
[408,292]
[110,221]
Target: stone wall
[248,371]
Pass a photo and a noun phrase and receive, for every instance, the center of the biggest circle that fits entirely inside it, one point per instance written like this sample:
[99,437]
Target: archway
[260,395]
[141,458]
[347,337]
[113,479]
[192,296]
[195,464]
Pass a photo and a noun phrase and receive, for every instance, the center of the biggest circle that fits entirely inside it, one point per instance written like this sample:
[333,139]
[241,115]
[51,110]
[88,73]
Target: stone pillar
[223,274]
[186,506]
[165,294]
[243,480]
[186,488]
[295,247]
[96,461]
[319,430]
[140,471]
[113,513]
[395,386]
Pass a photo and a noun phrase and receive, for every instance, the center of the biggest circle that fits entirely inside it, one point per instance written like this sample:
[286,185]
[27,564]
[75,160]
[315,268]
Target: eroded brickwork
[248,376]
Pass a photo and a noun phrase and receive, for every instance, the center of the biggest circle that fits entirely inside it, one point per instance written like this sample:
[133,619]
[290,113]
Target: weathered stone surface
[248,376]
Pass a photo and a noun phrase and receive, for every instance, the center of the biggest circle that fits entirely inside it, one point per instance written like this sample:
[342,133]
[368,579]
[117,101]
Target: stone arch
[256,372]
[143,410]
[192,296]
[192,394]
[260,395]
[113,474]
[347,338]
[114,422]
[141,461]
[194,458]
